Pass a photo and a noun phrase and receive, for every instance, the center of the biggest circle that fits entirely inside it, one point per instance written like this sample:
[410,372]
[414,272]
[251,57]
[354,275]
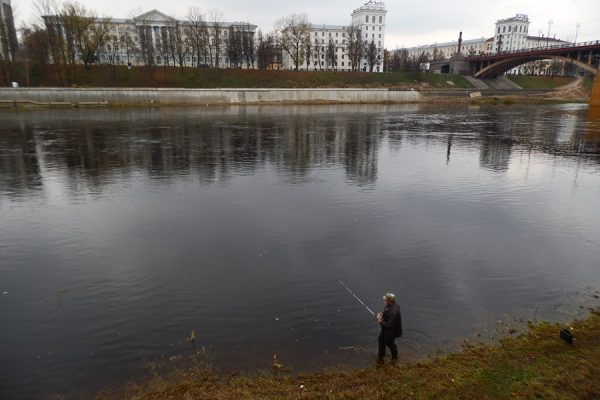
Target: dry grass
[536,364]
[173,77]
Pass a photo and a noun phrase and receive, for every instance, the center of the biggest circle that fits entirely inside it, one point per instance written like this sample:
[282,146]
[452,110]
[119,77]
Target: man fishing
[390,321]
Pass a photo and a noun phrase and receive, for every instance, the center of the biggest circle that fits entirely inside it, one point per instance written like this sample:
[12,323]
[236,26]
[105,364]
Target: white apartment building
[370,18]
[129,39]
[8,34]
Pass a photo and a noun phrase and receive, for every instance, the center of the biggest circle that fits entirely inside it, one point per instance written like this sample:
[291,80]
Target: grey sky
[408,23]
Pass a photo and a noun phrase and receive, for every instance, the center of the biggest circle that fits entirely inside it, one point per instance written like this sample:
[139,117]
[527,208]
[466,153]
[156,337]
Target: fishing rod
[356,297]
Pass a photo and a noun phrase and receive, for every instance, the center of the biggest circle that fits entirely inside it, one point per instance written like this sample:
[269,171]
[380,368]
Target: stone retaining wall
[152,96]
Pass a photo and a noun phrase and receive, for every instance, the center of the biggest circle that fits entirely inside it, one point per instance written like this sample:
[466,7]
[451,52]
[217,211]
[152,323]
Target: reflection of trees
[495,153]
[93,152]
[93,148]
[19,167]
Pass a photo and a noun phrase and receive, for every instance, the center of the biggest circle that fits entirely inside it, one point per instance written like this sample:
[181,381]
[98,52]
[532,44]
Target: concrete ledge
[173,96]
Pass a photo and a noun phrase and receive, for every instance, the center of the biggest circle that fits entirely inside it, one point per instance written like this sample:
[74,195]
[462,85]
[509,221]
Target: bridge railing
[574,46]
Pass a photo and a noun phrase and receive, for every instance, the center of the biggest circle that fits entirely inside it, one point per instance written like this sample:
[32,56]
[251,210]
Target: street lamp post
[548,37]
[576,32]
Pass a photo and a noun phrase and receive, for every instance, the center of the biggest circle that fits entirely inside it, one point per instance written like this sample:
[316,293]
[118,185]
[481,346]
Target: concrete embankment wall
[127,96]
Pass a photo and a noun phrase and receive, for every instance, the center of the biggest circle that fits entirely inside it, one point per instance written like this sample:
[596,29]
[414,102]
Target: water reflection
[91,147]
[122,230]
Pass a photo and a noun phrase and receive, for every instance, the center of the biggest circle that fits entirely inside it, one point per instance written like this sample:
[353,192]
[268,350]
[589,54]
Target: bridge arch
[500,67]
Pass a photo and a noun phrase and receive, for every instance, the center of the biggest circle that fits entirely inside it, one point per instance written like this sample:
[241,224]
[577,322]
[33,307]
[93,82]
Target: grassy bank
[540,82]
[536,364]
[106,76]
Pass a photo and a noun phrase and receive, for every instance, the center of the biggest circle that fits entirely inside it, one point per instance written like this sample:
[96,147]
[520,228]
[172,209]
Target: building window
[381,19]
[367,19]
[373,20]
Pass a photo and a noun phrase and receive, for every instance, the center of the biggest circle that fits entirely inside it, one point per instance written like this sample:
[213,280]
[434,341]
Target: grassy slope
[540,82]
[535,365]
[104,76]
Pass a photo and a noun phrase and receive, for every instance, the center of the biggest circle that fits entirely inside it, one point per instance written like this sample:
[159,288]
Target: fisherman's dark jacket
[392,320]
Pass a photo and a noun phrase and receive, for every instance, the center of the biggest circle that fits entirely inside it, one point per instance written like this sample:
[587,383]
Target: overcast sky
[409,23]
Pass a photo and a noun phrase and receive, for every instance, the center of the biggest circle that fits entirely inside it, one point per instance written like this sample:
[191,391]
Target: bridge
[585,56]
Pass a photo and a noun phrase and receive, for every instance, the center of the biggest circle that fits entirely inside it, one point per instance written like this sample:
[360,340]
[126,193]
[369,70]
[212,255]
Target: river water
[121,231]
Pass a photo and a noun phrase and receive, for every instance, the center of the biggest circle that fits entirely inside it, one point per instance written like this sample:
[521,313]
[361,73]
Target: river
[124,230]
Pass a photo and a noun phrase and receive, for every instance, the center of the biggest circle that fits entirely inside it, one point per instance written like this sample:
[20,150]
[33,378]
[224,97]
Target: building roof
[516,18]
[328,27]
[453,43]
[371,6]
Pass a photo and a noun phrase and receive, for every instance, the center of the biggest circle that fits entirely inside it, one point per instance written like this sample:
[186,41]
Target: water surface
[121,231]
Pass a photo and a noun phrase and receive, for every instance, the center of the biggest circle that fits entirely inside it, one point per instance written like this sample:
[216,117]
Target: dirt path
[571,91]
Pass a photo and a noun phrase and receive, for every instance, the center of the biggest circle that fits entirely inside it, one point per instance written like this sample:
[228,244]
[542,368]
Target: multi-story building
[370,19]
[446,50]
[8,34]
[158,39]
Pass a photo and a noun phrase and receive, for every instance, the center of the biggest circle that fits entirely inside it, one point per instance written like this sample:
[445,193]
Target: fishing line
[355,296]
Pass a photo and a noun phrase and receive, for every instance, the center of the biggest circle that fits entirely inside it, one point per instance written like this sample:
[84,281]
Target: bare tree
[248,50]
[48,11]
[294,33]
[163,46]
[84,31]
[355,49]
[198,35]
[330,56]
[216,23]
[309,50]
[147,50]
[371,55]
[266,52]
[178,48]
[318,52]
[127,42]
[234,46]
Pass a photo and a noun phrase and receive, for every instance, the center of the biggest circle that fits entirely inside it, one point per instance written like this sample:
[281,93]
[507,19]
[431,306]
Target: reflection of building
[157,39]
[8,34]
[369,19]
